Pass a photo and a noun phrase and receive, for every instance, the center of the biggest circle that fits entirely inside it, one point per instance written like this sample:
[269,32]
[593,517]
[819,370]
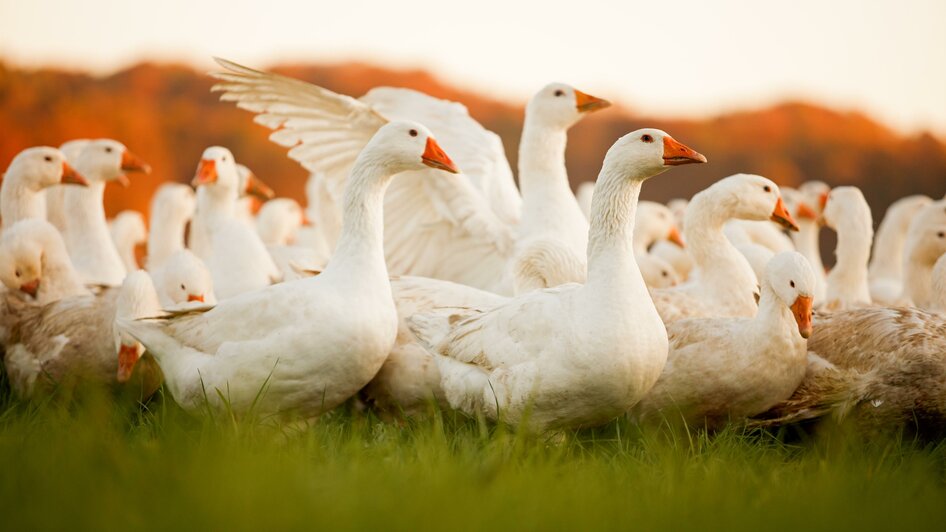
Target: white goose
[183,281]
[171,208]
[733,368]
[278,223]
[34,263]
[31,172]
[885,271]
[846,211]
[463,229]
[926,243]
[806,239]
[128,231]
[83,224]
[723,282]
[515,363]
[237,258]
[300,349]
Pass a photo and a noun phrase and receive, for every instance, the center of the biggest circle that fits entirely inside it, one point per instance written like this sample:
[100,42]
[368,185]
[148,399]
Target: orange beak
[676,153]
[676,237]
[255,187]
[435,157]
[127,358]
[133,163]
[586,103]
[30,288]
[806,212]
[801,309]
[195,297]
[206,173]
[782,217]
[306,222]
[71,177]
[823,200]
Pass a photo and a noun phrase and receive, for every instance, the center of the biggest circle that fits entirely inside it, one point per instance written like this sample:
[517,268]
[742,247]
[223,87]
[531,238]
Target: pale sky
[669,57]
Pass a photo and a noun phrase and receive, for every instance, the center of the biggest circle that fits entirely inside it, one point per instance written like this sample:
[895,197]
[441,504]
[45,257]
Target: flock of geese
[418,274]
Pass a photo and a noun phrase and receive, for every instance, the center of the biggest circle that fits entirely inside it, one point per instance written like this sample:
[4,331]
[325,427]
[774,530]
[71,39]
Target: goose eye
[941,234]
[647,138]
[183,287]
[108,149]
[664,273]
[48,158]
[413,132]
[560,92]
[17,273]
[792,283]
[767,188]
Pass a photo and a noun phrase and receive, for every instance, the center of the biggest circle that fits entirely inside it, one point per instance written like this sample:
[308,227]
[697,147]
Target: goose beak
[127,358]
[801,309]
[676,153]
[823,200]
[256,187]
[306,221]
[133,163]
[806,212]
[676,237]
[435,157]
[195,297]
[30,288]
[782,217]
[71,177]
[206,173]
[586,103]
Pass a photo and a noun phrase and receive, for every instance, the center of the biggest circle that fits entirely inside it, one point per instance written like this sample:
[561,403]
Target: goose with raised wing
[474,228]
[299,349]
[31,172]
[516,363]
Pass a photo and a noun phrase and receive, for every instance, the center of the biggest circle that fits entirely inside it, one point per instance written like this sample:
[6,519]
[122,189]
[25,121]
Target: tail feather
[466,387]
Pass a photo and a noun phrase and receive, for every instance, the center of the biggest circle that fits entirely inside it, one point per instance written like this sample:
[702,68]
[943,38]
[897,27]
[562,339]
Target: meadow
[93,464]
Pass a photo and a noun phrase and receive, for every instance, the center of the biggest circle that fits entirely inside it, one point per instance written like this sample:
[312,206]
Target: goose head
[186,281]
[791,278]
[815,194]
[72,148]
[927,234]
[42,167]
[798,206]
[846,205]
[137,298]
[753,197]
[655,222]
[401,146]
[217,169]
[561,106]
[109,161]
[173,201]
[648,152]
[24,250]
[278,220]
[253,186]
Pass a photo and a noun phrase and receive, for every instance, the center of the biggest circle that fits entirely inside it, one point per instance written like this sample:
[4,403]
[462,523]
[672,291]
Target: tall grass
[92,464]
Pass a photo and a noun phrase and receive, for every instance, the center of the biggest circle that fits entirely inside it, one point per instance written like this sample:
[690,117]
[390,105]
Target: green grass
[93,465]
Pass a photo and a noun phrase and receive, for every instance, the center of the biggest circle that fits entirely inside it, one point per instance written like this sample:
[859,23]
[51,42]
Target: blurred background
[848,92]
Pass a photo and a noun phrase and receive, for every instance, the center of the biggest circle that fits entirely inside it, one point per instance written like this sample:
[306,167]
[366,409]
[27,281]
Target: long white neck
[807,243]
[360,247]
[720,269]
[847,281]
[166,235]
[612,267]
[86,234]
[889,242]
[19,202]
[918,276]
[547,199]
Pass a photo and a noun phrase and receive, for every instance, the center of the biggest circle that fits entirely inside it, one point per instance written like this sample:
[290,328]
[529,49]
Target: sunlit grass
[94,465]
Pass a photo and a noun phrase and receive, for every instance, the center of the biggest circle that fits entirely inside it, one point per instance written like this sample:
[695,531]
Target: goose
[278,223]
[183,281]
[806,239]
[128,231]
[846,212]
[926,243]
[74,341]
[885,271]
[939,286]
[881,368]
[237,259]
[515,363]
[172,206]
[475,228]
[31,172]
[34,263]
[83,224]
[723,283]
[583,195]
[299,349]
[722,369]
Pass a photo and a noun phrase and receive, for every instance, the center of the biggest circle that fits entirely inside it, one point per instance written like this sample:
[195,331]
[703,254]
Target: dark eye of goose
[792,283]
[560,92]
[664,273]
[647,138]
[48,158]
[17,273]
[108,149]
[767,188]
[183,287]
[941,234]
[413,132]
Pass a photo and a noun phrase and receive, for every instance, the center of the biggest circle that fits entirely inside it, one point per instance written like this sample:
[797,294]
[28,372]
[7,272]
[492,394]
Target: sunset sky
[670,58]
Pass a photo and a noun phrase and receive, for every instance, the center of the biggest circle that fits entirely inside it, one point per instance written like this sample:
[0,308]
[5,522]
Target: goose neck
[543,178]
[19,202]
[360,242]
[610,236]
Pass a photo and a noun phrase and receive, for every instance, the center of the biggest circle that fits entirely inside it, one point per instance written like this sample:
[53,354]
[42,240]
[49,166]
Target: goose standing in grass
[926,243]
[82,221]
[128,231]
[574,355]
[171,208]
[885,271]
[299,349]
[31,172]
[723,283]
[473,229]
[806,239]
[722,369]
[846,211]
